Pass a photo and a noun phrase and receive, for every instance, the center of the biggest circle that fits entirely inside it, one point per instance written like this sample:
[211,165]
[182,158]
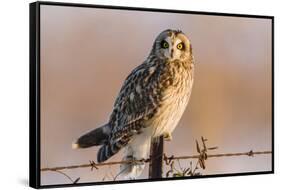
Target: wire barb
[93,165]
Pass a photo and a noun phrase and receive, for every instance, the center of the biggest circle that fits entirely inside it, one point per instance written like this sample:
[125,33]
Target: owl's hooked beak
[172,53]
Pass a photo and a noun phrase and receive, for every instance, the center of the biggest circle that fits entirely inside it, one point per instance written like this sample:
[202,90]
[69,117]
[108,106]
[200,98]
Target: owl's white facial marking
[174,50]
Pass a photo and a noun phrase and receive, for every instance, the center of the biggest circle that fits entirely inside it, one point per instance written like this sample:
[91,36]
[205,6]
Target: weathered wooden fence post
[156,155]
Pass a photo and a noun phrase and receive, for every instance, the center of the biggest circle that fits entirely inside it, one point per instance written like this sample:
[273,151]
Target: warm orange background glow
[87,53]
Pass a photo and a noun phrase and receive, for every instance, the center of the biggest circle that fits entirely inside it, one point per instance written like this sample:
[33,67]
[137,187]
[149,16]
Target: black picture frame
[34,98]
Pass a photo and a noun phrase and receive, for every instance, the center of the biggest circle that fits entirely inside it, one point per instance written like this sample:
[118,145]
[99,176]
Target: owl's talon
[168,137]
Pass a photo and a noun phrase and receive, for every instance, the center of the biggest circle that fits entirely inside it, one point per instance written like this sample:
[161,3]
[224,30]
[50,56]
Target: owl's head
[172,45]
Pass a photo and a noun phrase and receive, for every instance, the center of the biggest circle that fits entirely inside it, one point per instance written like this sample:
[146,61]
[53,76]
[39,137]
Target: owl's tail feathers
[95,137]
[108,150]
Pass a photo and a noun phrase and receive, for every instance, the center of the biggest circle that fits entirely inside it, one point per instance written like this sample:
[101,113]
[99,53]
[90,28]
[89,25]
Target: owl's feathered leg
[137,149]
[95,137]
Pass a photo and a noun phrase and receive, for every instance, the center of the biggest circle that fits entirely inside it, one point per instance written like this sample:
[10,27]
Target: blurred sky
[87,53]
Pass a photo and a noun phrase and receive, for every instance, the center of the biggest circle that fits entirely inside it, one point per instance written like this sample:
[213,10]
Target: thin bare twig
[68,177]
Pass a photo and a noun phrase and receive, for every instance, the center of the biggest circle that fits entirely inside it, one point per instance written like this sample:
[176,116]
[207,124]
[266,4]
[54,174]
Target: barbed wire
[94,165]
[169,161]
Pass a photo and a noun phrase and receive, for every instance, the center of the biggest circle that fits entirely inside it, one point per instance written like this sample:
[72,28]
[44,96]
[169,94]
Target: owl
[150,104]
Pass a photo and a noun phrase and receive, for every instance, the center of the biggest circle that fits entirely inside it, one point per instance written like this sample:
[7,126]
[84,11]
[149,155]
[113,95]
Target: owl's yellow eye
[180,46]
[165,45]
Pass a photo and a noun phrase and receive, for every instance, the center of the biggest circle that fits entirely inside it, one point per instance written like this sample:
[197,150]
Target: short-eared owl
[150,103]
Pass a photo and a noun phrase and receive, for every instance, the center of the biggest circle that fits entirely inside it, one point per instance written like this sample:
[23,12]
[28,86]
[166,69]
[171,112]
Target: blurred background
[87,53]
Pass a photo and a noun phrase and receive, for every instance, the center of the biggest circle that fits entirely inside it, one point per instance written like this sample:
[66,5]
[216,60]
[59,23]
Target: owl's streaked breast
[175,90]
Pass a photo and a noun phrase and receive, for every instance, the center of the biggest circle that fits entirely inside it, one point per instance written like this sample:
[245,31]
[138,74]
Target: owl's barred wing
[136,102]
